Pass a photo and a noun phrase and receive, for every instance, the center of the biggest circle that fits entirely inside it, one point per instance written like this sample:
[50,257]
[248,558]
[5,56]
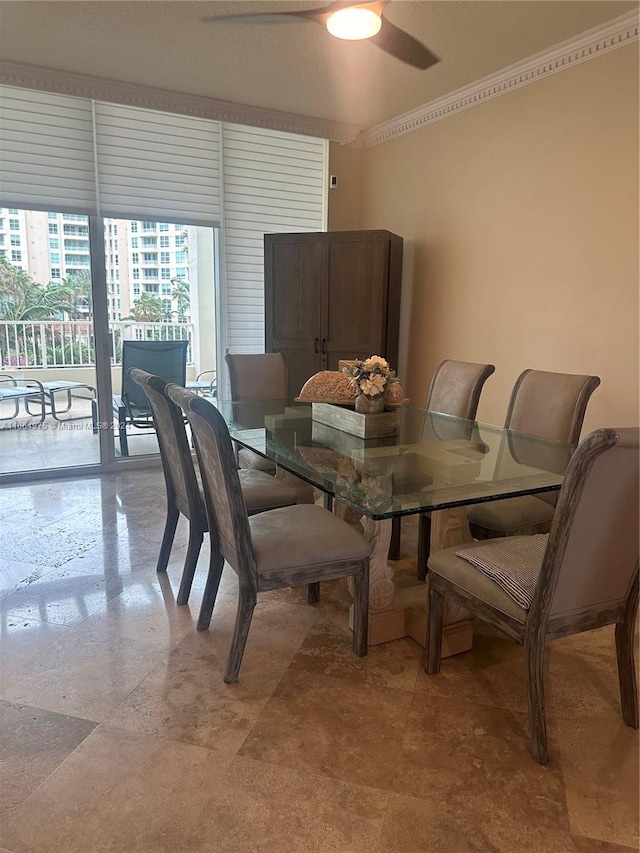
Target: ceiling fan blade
[395,41]
[318,15]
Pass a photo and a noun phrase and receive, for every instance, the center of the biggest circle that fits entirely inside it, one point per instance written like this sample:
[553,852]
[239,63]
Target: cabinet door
[356,297]
[295,269]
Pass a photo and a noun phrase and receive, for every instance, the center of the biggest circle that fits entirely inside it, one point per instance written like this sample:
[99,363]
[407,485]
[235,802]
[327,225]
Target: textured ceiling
[292,67]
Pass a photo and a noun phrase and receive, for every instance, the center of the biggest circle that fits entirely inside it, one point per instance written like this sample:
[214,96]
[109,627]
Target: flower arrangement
[370,376]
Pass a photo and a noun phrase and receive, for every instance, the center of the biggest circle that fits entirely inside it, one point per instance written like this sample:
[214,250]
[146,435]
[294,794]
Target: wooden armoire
[331,296]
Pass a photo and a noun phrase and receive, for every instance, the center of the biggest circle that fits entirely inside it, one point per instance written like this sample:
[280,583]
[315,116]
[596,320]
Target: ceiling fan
[352,21]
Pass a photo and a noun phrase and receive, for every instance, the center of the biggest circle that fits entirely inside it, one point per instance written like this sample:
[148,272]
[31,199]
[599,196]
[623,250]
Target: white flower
[374,385]
[370,375]
[372,361]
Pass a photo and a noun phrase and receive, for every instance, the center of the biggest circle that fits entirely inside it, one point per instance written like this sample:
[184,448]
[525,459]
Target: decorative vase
[367,405]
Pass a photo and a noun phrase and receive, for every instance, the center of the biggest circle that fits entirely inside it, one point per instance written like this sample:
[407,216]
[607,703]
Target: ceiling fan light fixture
[354,23]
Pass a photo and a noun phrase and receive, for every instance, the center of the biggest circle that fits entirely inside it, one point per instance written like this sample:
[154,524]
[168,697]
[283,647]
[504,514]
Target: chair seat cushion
[253,461]
[262,491]
[513,563]
[526,514]
[303,536]
[466,577]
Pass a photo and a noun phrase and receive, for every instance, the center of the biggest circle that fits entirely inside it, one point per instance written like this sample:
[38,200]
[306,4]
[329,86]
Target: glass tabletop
[432,461]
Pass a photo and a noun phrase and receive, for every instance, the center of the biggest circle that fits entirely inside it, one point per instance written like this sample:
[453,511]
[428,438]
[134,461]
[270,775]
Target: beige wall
[520,220]
[345,199]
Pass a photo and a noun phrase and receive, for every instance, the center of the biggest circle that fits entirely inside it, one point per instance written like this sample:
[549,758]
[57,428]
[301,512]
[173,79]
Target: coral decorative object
[327,386]
[394,395]
[340,388]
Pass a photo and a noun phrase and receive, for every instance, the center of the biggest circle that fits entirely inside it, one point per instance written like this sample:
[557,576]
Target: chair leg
[312,592]
[122,431]
[190,561]
[216,564]
[173,514]
[361,611]
[396,534]
[534,673]
[94,416]
[424,545]
[433,645]
[627,671]
[246,604]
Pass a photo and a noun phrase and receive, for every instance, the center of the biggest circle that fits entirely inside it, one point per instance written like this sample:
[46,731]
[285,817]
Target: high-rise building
[140,256]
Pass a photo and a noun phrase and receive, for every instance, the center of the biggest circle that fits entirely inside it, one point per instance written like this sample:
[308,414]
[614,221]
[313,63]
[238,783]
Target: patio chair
[206,387]
[62,386]
[166,359]
[260,491]
[28,390]
[300,544]
[536,588]
[455,390]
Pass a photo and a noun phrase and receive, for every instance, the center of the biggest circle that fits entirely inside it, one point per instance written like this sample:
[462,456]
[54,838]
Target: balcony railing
[70,343]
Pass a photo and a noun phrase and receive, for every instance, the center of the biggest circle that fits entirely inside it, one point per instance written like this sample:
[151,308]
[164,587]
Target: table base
[396,612]
[409,619]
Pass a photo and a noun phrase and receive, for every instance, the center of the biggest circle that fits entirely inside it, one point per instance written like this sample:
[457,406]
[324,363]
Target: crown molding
[164,100]
[590,44]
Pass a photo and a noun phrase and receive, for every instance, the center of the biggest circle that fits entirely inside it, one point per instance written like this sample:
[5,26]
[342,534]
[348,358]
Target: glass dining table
[424,462]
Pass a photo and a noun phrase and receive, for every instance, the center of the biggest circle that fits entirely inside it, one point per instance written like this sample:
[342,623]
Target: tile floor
[26,445]
[118,734]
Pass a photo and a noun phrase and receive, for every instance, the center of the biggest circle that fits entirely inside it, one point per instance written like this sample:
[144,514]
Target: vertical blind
[273,183]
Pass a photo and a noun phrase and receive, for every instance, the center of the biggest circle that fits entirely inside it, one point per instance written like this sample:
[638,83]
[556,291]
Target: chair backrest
[550,405]
[175,453]
[591,560]
[456,386]
[455,390]
[259,376]
[228,519]
[166,359]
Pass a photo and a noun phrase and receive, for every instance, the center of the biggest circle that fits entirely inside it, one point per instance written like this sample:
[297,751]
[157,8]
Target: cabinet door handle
[324,346]
[316,345]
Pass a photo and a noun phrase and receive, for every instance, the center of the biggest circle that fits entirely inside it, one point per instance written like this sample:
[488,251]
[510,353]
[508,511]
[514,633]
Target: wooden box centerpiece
[335,398]
[345,418]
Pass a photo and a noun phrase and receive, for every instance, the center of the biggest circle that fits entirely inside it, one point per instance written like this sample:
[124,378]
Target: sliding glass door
[154,282]
[160,287]
[47,342]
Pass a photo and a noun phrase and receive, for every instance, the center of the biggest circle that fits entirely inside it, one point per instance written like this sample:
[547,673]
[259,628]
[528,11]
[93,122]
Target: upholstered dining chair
[548,405]
[454,390]
[583,575]
[256,376]
[259,491]
[299,544]
[262,376]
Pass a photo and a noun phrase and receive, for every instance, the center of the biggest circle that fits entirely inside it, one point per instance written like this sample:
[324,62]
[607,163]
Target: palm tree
[78,287]
[24,301]
[148,308]
[181,292]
